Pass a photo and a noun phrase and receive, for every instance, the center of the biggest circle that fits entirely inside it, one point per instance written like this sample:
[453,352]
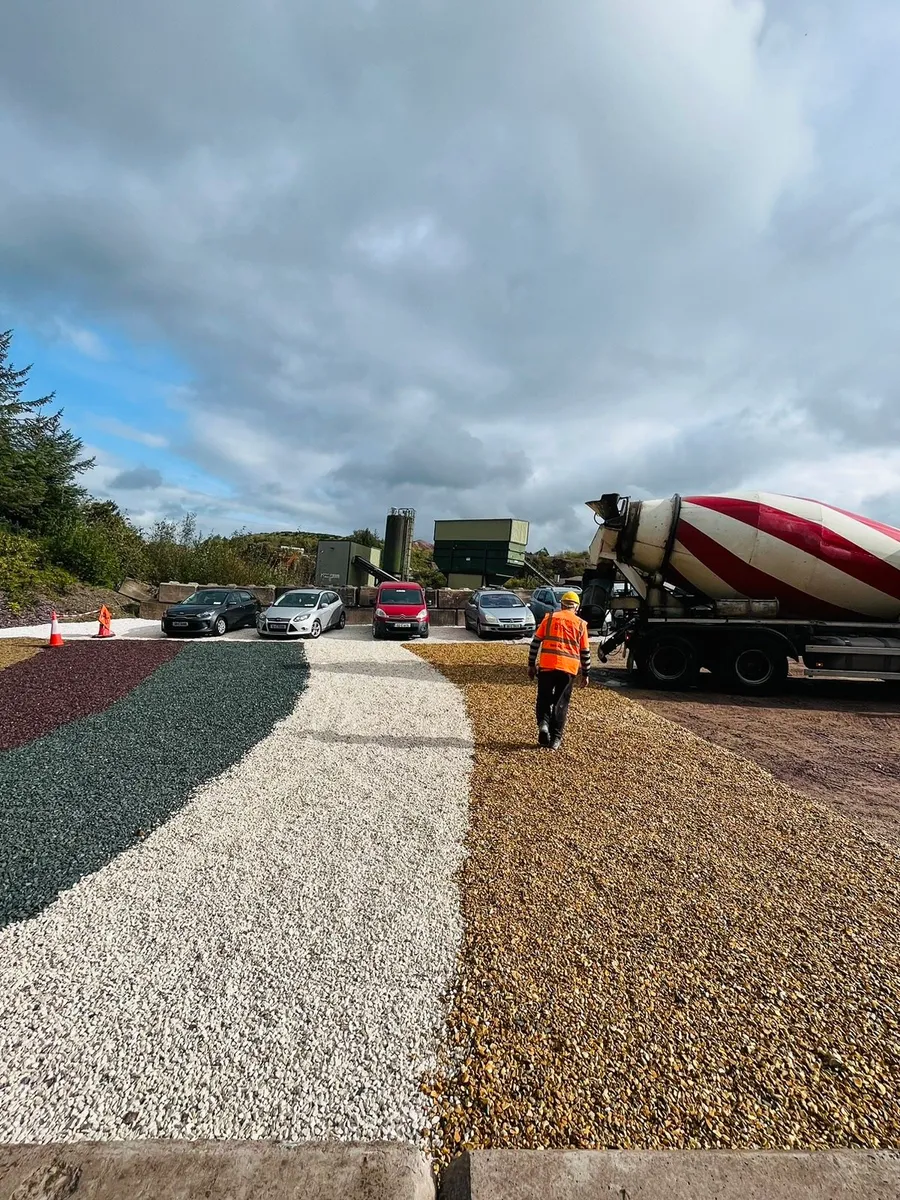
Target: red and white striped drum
[816,560]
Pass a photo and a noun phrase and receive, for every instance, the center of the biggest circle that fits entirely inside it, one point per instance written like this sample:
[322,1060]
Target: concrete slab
[673,1175]
[152,1170]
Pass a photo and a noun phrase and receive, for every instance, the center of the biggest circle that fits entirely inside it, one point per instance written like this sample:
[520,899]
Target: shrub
[88,552]
[25,572]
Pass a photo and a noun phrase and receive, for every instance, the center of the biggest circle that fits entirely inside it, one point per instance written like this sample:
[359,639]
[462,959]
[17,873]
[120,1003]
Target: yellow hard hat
[570,598]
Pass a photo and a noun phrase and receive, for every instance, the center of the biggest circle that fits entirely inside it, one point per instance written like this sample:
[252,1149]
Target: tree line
[53,533]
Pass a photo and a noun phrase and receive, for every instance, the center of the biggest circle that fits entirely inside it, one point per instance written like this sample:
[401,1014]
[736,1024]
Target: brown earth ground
[663,946]
[837,741]
[80,603]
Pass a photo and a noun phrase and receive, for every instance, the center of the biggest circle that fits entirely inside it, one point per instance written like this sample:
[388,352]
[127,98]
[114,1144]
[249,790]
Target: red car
[400,607]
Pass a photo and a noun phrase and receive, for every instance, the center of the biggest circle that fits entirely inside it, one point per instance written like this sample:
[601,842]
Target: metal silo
[398,531]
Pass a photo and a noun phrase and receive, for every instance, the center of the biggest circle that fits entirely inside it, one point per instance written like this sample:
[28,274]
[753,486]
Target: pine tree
[40,460]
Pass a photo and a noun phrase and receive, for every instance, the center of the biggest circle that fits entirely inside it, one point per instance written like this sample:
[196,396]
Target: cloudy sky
[290,262]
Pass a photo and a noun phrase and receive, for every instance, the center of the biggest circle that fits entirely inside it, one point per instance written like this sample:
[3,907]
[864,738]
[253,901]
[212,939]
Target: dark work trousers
[554,691]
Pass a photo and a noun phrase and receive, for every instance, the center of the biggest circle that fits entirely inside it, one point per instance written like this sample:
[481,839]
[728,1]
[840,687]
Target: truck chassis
[753,656]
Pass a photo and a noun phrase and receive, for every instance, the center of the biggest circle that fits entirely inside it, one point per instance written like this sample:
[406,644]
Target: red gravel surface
[64,684]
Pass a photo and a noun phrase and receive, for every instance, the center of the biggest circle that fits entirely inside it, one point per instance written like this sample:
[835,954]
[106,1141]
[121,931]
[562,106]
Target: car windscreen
[208,597]
[560,592]
[401,596]
[298,600]
[499,600]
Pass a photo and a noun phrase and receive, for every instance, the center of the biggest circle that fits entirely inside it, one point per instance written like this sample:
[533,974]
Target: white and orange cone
[56,638]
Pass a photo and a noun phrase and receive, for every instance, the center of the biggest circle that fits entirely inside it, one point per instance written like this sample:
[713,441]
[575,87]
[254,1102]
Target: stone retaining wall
[445,604]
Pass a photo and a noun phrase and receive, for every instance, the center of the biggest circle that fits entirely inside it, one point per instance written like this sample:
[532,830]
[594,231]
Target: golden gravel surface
[663,946]
[15,650]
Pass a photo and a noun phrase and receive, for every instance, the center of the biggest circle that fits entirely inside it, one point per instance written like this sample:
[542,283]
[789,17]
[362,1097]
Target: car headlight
[379,612]
[491,619]
[423,615]
[205,616]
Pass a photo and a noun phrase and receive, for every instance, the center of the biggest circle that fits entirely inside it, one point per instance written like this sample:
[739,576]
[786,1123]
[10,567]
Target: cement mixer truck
[742,585]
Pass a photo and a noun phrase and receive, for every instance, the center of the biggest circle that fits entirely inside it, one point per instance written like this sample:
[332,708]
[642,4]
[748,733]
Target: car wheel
[316,630]
[377,634]
[426,632]
[480,630]
[220,626]
[342,621]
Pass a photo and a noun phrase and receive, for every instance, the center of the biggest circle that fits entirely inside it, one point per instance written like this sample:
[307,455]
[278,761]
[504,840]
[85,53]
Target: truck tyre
[754,666]
[669,662]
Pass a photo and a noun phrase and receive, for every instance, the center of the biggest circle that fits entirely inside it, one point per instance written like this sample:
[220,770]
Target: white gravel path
[272,962]
[135,627]
[81,629]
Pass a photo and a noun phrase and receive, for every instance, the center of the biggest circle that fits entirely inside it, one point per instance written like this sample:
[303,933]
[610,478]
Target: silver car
[302,612]
[493,611]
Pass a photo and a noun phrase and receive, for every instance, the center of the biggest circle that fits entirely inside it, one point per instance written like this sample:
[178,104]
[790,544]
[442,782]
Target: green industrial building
[482,552]
[335,566]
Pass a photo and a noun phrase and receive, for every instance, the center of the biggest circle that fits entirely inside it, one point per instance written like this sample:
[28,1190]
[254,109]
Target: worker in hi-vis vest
[562,640]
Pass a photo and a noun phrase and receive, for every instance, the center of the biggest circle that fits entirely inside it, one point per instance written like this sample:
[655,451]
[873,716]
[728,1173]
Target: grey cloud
[475,258]
[137,479]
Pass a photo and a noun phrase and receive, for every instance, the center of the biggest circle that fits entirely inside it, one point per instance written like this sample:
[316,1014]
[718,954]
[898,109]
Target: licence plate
[180,624]
[403,624]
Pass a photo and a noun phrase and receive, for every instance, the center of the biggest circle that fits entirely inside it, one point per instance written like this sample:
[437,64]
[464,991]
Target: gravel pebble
[15,652]
[74,799]
[81,630]
[70,682]
[273,960]
[663,946]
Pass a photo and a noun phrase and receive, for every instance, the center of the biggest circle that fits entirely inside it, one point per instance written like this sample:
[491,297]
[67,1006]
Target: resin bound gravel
[74,799]
[663,946]
[273,960]
[12,653]
[66,683]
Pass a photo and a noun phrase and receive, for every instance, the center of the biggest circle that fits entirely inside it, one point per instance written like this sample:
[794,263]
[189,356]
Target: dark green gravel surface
[72,800]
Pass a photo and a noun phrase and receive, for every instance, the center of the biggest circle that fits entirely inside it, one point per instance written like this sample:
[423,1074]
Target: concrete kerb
[673,1175]
[172,1170]
[159,1170]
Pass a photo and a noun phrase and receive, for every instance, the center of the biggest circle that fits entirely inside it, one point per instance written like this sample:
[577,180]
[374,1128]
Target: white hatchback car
[302,612]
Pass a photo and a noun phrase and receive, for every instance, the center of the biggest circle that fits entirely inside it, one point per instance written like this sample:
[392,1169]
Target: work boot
[544,733]
[556,743]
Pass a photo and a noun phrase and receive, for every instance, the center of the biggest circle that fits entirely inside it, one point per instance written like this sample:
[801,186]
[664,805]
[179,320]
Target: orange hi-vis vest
[564,639]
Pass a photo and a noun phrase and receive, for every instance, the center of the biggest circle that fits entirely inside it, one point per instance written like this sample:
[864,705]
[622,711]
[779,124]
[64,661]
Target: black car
[211,610]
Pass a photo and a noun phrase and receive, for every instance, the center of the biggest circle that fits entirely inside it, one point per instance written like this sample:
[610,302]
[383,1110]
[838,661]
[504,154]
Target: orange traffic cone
[105,623]
[55,636]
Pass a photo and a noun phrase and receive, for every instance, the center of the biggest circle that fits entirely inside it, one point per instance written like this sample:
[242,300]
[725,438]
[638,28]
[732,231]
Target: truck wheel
[670,662]
[755,666]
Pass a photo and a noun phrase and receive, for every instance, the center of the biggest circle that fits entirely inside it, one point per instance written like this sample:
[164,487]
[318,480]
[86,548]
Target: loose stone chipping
[663,946]
[64,684]
[273,961]
[73,800]
[13,652]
